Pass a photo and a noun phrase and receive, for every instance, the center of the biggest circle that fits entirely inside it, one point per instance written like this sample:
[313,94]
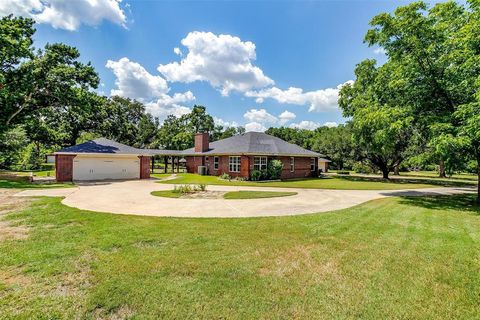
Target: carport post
[178,164]
[153,164]
[165,162]
[173,164]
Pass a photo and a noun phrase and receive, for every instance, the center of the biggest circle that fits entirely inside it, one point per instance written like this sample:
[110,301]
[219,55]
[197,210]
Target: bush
[362,168]
[343,172]
[256,175]
[274,169]
[186,188]
[200,187]
[225,176]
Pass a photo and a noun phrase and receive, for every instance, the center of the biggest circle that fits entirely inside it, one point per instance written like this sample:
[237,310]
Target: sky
[251,63]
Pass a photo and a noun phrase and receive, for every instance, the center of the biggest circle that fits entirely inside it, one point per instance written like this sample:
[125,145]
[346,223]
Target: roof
[324,160]
[254,143]
[103,145]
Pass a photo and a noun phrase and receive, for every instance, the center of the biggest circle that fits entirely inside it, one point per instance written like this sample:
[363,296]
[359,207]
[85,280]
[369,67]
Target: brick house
[239,155]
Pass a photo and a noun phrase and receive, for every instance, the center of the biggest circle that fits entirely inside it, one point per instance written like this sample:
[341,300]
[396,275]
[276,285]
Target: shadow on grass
[460,202]
[406,180]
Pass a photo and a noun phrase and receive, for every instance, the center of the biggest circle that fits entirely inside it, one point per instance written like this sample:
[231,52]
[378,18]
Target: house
[237,156]
[101,159]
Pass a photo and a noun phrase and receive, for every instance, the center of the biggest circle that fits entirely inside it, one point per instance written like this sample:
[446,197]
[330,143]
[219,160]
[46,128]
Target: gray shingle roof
[254,143]
[102,145]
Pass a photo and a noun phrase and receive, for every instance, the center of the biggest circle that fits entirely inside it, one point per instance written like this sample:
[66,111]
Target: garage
[101,159]
[105,168]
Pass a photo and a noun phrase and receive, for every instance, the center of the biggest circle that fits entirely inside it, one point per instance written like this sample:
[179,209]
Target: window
[215,163]
[234,164]
[259,163]
[292,164]
[312,164]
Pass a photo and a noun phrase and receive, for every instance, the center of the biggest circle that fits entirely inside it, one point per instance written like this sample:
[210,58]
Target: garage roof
[102,145]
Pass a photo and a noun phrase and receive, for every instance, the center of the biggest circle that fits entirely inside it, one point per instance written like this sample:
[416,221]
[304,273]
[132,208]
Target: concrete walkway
[133,197]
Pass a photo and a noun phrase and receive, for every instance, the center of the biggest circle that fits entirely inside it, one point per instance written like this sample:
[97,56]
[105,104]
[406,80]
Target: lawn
[229,195]
[24,184]
[402,258]
[256,194]
[330,182]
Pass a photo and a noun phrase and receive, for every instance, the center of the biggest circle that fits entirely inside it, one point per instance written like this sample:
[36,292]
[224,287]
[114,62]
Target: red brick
[144,167]
[64,167]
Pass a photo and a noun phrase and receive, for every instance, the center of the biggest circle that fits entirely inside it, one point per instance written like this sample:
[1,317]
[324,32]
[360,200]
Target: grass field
[403,258]
[256,194]
[330,182]
[166,194]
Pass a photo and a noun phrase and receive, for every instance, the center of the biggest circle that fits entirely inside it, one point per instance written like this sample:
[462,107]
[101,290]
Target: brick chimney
[201,142]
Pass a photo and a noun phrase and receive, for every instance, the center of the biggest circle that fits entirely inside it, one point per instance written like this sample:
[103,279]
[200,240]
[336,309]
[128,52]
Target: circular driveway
[133,197]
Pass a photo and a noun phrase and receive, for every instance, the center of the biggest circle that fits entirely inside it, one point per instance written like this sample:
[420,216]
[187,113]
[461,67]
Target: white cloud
[309,125]
[255,126]
[223,60]
[319,100]
[285,117]
[68,15]
[223,123]
[260,115]
[135,82]
[330,124]
[170,105]
[379,51]
[177,51]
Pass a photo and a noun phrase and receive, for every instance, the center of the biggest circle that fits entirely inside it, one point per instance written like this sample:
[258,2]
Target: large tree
[31,81]
[437,54]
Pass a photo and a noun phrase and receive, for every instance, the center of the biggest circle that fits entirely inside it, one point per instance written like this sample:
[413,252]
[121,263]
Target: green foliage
[256,175]
[359,167]
[274,169]
[11,144]
[32,157]
[225,176]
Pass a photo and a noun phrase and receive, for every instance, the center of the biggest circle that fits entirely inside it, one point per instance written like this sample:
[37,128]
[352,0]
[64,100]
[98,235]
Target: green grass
[434,174]
[402,258]
[330,182]
[256,194]
[22,184]
[166,194]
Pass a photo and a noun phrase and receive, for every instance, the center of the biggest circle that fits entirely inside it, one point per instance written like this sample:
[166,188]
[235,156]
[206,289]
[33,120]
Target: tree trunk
[396,170]
[441,170]
[385,172]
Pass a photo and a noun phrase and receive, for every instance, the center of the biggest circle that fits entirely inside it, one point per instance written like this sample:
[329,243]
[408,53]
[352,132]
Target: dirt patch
[300,260]
[121,313]
[14,277]
[9,203]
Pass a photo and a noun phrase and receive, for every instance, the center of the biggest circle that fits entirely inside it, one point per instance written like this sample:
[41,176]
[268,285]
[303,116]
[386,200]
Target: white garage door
[104,168]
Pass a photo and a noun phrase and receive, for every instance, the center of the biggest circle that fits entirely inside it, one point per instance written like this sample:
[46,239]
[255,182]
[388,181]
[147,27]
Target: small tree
[274,169]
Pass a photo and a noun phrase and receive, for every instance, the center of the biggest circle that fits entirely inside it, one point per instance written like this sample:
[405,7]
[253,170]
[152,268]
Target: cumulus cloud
[260,115]
[379,51]
[318,101]
[309,125]
[330,124]
[177,51]
[133,81]
[223,123]
[68,15]
[222,60]
[170,105]
[255,126]
[285,117]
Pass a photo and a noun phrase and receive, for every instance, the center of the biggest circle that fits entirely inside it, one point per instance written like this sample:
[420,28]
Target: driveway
[133,197]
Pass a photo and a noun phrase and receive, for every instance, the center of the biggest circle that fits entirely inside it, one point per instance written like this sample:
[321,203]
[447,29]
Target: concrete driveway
[133,197]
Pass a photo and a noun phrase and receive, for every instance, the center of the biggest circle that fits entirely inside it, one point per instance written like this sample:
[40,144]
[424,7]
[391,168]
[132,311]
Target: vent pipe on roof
[201,142]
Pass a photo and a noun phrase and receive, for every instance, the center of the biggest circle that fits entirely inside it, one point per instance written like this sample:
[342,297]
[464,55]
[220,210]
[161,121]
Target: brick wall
[201,142]
[302,166]
[64,167]
[144,167]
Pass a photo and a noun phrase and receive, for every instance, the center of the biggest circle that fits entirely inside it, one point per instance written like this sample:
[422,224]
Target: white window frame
[260,163]
[312,164]
[215,163]
[292,164]
[234,166]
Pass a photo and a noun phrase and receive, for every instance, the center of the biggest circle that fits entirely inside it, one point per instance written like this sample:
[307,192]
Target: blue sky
[238,59]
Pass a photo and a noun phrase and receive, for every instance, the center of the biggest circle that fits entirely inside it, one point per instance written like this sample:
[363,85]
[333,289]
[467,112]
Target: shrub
[225,176]
[255,175]
[200,187]
[183,189]
[274,169]
[343,172]
[362,168]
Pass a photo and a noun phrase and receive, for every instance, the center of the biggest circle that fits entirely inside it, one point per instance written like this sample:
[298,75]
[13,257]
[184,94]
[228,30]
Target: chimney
[201,142]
